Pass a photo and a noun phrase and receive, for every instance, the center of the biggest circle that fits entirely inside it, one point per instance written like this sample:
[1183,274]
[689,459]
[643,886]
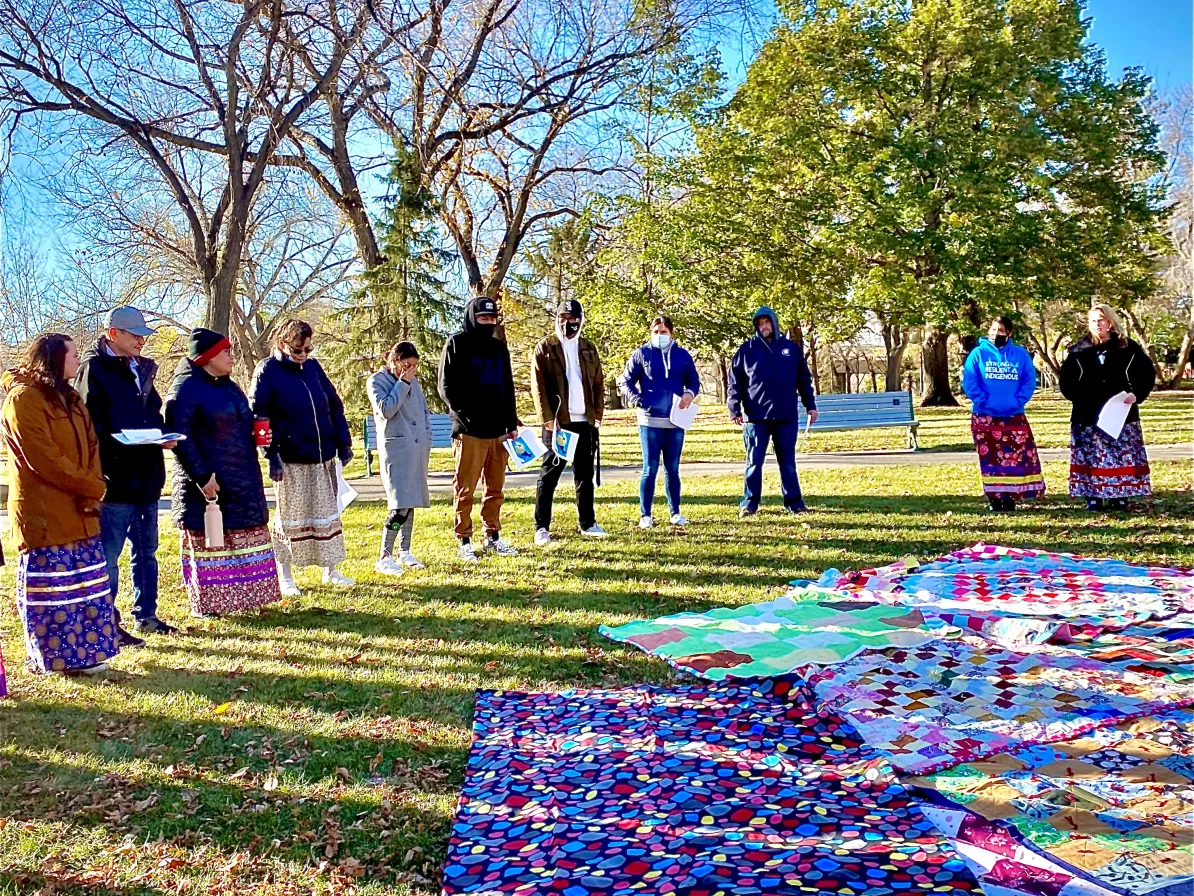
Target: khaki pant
[483,459]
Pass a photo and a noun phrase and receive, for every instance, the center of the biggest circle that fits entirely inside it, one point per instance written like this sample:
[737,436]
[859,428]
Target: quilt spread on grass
[733,788]
[948,702]
[806,626]
[998,582]
[1116,805]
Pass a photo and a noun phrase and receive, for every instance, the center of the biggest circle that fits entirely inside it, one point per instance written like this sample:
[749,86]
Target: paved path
[370,489]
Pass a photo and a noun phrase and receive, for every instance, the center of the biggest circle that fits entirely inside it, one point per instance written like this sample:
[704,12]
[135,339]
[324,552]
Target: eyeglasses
[304,351]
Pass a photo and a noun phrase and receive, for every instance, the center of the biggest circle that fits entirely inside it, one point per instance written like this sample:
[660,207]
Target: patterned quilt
[948,702]
[804,627]
[992,582]
[1116,805]
[740,788]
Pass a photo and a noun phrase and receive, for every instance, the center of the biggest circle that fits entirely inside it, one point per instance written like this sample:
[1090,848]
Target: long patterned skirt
[306,525]
[66,605]
[1007,456]
[1103,467]
[239,576]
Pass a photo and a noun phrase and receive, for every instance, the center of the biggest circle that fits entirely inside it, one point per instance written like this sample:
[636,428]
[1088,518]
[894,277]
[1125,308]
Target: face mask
[1001,340]
[661,340]
[571,328]
[485,329]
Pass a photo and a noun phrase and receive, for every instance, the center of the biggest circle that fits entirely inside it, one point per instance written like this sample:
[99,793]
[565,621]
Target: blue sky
[1154,34]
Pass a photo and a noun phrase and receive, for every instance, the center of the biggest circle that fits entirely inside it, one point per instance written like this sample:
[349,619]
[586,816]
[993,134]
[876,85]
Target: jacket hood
[15,377]
[560,331]
[471,311]
[764,311]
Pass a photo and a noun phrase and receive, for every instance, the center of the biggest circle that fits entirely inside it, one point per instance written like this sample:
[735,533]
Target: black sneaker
[125,638]
[744,512]
[1093,504]
[1118,504]
[154,626]
[797,508]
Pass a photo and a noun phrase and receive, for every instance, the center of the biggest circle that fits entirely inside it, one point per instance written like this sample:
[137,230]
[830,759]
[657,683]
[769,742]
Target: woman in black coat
[1099,367]
[311,436]
[217,462]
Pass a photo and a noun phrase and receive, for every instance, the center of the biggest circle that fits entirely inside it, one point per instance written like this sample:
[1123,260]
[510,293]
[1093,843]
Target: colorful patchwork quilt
[948,702]
[806,626]
[996,582]
[732,788]
[1115,806]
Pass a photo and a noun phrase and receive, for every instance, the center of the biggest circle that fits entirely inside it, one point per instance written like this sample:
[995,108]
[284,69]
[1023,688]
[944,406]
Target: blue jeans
[669,443]
[756,436]
[138,524]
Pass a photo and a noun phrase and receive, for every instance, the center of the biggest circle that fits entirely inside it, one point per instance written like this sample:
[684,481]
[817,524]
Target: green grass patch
[322,743]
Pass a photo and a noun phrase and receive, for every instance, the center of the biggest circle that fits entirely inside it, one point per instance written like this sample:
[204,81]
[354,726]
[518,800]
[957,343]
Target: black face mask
[485,329]
[571,328]
[1001,340]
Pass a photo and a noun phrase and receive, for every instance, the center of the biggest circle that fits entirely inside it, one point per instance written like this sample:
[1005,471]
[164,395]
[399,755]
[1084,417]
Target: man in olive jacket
[569,390]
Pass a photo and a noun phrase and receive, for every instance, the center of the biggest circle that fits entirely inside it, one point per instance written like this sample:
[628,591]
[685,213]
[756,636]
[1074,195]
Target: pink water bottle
[213,525]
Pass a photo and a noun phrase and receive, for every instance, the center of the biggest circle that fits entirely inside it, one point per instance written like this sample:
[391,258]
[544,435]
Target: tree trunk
[815,368]
[1184,355]
[723,376]
[895,348]
[1146,344]
[221,292]
[937,390]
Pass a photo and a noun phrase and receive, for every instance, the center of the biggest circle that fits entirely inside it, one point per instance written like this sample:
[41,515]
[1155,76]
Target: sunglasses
[302,351]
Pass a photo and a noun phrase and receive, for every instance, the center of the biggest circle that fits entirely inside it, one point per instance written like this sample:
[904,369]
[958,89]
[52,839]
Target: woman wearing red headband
[217,463]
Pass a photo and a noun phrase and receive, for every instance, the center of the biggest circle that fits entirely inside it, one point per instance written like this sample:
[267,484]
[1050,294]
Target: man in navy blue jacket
[767,377]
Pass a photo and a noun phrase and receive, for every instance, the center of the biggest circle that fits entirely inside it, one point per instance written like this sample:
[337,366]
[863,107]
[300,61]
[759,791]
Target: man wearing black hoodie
[477,383]
[116,384]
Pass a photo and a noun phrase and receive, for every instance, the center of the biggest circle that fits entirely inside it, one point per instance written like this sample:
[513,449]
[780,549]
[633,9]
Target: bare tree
[171,81]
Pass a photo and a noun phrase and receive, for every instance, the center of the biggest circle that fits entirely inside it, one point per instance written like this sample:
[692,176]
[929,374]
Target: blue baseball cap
[127,318]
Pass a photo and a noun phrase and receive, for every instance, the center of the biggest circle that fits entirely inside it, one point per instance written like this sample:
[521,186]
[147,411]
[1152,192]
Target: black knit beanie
[205,345]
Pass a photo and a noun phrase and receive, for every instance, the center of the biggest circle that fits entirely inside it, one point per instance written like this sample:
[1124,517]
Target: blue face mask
[661,340]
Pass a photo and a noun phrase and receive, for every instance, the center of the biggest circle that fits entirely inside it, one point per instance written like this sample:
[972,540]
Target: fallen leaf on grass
[270,783]
[221,709]
[236,776]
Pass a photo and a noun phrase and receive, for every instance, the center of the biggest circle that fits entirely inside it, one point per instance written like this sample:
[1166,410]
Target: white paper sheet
[563,444]
[683,417]
[146,437]
[526,449]
[345,493]
[1113,415]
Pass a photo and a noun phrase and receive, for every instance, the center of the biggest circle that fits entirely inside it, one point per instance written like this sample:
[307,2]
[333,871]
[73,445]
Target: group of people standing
[1105,470]
[78,493]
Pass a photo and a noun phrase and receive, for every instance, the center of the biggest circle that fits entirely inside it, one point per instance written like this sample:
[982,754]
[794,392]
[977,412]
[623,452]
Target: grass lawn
[1167,418]
[320,745]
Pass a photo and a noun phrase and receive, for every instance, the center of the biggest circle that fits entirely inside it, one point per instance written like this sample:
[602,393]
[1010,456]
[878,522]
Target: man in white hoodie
[569,390]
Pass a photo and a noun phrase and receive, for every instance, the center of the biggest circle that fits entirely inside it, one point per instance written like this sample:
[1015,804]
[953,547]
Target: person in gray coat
[403,426]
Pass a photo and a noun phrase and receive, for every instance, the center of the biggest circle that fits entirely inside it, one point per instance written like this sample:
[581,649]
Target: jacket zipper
[314,414]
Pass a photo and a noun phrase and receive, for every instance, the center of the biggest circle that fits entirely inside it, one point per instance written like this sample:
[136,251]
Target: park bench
[865,410]
[441,436]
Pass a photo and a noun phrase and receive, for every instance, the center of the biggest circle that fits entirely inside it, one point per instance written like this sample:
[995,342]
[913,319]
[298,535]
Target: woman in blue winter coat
[657,373]
[999,379]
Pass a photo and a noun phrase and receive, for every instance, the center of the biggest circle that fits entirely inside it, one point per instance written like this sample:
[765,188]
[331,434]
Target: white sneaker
[500,547]
[387,567]
[542,538]
[467,553]
[288,588]
[646,522]
[406,558]
[679,519]
[594,531]
[332,576]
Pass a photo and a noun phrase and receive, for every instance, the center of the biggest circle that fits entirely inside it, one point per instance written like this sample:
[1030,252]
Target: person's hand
[685,401]
[173,443]
[512,435]
[736,420]
[275,469]
[346,456]
[812,416]
[407,375]
[89,506]
[211,489]
[1129,398]
[549,425]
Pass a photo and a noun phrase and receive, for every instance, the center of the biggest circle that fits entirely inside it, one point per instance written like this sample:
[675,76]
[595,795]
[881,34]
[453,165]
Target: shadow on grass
[184,799]
[21,883]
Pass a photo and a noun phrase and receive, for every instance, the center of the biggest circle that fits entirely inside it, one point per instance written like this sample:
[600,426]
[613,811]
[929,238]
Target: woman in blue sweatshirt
[999,379]
[653,375]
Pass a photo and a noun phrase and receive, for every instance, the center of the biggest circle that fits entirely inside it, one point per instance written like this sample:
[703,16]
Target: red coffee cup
[261,432]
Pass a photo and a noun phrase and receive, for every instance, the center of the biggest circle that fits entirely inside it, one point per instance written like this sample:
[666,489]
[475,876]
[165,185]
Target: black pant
[582,475]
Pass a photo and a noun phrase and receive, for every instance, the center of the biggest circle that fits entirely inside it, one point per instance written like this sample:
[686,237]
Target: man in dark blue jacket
[767,377]
[117,385]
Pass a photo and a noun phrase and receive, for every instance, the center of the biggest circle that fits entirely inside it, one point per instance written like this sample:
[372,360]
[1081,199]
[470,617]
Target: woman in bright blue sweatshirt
[654,374]
[999,379]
